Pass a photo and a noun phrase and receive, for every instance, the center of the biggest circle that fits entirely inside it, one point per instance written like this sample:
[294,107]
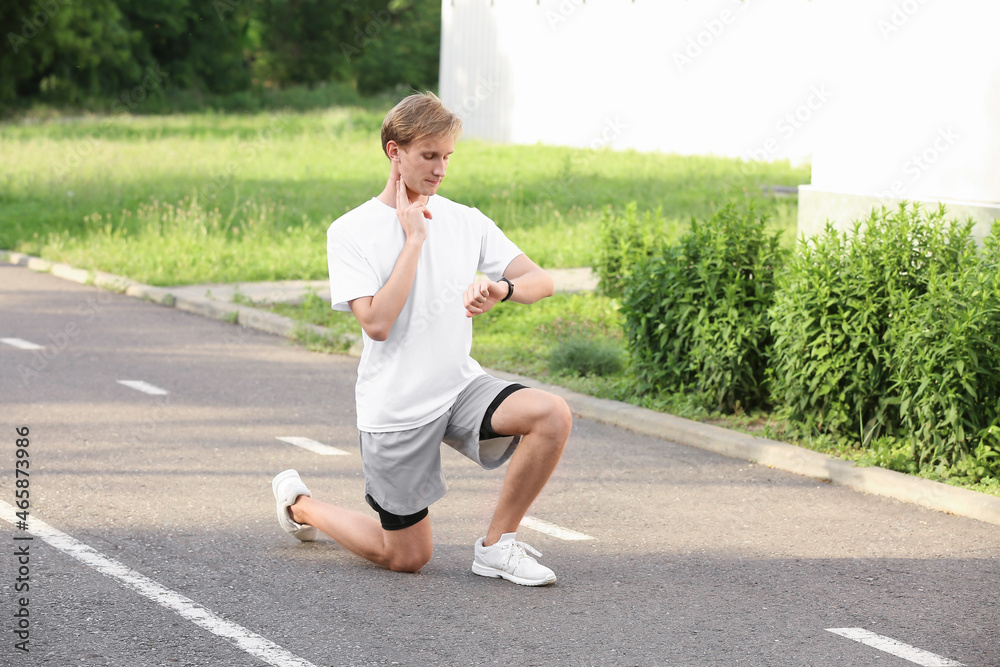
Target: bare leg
[545,422]
[405,550]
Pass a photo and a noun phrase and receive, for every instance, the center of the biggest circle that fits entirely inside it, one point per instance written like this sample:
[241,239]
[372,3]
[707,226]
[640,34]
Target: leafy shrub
[946,361]
[835,314]
[891,453]
[625,241]
[586,356]
[696,312]
[983,462]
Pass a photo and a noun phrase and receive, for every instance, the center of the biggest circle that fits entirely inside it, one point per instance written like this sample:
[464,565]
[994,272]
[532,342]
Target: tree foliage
[64,52]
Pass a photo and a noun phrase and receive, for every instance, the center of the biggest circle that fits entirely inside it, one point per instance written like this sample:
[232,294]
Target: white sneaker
[507,559]
[287,486]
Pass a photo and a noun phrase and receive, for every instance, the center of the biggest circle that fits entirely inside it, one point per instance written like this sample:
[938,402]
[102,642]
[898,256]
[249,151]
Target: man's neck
[388,196]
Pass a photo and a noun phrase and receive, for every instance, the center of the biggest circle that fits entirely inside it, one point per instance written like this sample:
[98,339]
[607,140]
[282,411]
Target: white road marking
[248,641]
[895,647]
[144,387]
[313,446]
[21,344]
[552,529]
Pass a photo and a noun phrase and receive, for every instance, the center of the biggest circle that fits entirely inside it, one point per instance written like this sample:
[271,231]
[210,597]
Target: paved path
[696,559]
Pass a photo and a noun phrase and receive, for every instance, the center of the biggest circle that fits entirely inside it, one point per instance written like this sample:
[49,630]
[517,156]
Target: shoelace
[517,552]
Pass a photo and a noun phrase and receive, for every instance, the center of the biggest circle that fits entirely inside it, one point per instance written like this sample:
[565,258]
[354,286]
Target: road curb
[772,453]
[247,316]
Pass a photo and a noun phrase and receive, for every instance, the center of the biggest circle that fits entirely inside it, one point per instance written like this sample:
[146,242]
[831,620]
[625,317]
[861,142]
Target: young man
[402,263]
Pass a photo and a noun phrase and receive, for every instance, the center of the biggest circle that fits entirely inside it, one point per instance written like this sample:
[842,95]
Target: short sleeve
[496,250]
[351,275]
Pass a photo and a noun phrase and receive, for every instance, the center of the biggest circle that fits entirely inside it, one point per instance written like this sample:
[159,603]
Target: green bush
[983,462]
[585,357]
[834,318]
[696,312]
[625,241]
[946,360]
[890,453]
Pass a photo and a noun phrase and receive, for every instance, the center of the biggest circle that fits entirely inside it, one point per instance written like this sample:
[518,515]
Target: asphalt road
[696,559]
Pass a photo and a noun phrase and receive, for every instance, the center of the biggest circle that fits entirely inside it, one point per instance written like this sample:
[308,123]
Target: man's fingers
[476,297]
[478,292]
[404,205]
[403,199]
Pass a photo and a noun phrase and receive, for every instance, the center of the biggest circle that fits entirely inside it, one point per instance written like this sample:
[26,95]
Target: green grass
[343,328]
[206,197]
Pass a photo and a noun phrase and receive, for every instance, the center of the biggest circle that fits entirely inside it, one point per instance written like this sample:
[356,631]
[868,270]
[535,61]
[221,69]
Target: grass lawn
[217,198]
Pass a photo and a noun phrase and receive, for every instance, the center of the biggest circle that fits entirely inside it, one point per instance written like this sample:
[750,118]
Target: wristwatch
[510,291]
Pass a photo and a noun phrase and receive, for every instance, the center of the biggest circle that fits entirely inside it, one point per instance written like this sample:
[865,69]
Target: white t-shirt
[413,377]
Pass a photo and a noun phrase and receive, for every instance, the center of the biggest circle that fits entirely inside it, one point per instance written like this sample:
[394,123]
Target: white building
[889,99]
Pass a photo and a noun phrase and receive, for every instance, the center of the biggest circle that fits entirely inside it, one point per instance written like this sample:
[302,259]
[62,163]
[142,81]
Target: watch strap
[510,291]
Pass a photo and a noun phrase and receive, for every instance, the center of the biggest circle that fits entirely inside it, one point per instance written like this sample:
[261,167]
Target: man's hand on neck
[388,195]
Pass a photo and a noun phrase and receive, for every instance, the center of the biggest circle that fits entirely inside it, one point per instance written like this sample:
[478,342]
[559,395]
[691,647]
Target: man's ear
[392,149]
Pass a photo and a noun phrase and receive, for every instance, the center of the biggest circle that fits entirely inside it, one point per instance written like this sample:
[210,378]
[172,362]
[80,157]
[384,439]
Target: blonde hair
[417,117]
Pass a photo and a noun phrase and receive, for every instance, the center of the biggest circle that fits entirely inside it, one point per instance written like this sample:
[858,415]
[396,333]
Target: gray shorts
[403,468]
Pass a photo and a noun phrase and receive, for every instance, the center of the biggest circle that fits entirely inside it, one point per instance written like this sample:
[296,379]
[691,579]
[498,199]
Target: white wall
[879,93]
[921,103]
[712,76]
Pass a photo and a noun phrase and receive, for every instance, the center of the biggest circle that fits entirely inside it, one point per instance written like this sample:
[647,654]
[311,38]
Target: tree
[64,51]
[299,40]
[201,45]
[404,50]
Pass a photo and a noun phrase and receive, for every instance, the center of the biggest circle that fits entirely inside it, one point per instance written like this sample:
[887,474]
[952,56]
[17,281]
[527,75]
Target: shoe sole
[304,534]
[487,571]
[281,477]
